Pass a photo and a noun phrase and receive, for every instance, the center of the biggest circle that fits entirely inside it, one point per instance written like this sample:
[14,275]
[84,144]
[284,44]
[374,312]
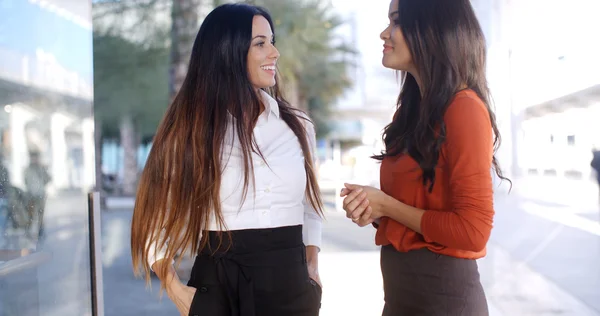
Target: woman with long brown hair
[230,177]
[434,212]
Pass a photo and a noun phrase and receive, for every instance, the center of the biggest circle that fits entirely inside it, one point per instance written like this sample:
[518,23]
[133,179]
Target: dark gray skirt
[421,282]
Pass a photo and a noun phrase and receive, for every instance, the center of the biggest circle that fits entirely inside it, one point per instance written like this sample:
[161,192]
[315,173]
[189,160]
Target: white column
[59,167]
[19,157]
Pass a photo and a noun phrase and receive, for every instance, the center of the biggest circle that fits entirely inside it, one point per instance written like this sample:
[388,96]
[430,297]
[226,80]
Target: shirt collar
[271,105]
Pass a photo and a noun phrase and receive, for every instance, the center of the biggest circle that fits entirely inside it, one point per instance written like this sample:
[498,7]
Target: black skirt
[262,272]
[421,282]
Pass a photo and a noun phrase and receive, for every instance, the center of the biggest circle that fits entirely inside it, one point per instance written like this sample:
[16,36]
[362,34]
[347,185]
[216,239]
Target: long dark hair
[449,51]
[179,188]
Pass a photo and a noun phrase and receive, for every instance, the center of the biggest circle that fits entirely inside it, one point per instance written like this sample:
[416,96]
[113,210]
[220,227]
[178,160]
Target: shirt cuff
[155,254]
[312,231]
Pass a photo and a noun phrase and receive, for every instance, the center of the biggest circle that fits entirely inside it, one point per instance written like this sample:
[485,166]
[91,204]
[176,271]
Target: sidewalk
[550,223]
[513,288]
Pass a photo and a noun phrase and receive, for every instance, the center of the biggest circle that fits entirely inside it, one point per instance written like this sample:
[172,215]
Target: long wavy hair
[179,189]
[449,52]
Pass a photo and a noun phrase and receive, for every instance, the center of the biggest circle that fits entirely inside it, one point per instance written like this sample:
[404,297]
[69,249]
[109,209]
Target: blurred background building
[544,78]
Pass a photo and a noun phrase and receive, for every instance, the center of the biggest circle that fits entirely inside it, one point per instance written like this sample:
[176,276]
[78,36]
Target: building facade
[544,78]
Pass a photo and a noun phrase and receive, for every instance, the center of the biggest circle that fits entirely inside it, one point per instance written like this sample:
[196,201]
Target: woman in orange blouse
[434,212]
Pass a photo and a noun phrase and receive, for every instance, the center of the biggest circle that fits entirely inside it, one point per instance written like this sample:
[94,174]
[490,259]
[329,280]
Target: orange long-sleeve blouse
[459,211]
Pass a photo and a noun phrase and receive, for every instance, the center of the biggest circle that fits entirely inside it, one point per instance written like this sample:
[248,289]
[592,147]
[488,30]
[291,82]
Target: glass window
[46,156]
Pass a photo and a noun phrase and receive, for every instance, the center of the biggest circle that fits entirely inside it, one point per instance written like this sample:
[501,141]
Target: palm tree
[314,63]
[129,47]
[185,16]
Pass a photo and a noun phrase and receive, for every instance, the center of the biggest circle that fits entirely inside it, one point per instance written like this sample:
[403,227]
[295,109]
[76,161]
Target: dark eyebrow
[392,14]
[260,36]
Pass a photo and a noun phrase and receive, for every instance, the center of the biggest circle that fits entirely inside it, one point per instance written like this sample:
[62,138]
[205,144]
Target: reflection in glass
[46,157]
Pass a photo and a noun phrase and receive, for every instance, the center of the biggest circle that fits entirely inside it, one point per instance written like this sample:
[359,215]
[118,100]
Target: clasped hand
[363,204]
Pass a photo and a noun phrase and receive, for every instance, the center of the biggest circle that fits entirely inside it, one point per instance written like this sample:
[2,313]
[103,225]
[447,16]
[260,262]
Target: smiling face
[262,55]
[396,54]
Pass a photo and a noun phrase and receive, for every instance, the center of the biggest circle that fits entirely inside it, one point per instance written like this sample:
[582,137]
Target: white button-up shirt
[278,197]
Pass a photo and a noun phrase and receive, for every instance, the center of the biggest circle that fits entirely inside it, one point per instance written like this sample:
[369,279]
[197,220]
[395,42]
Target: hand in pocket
[182,295]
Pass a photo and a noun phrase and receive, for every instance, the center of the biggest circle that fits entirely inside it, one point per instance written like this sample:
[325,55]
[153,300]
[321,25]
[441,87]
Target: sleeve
[312,228]
[156,253]
[468,153]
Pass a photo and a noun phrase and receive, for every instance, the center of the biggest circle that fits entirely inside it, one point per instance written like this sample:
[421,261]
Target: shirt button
[267,190]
